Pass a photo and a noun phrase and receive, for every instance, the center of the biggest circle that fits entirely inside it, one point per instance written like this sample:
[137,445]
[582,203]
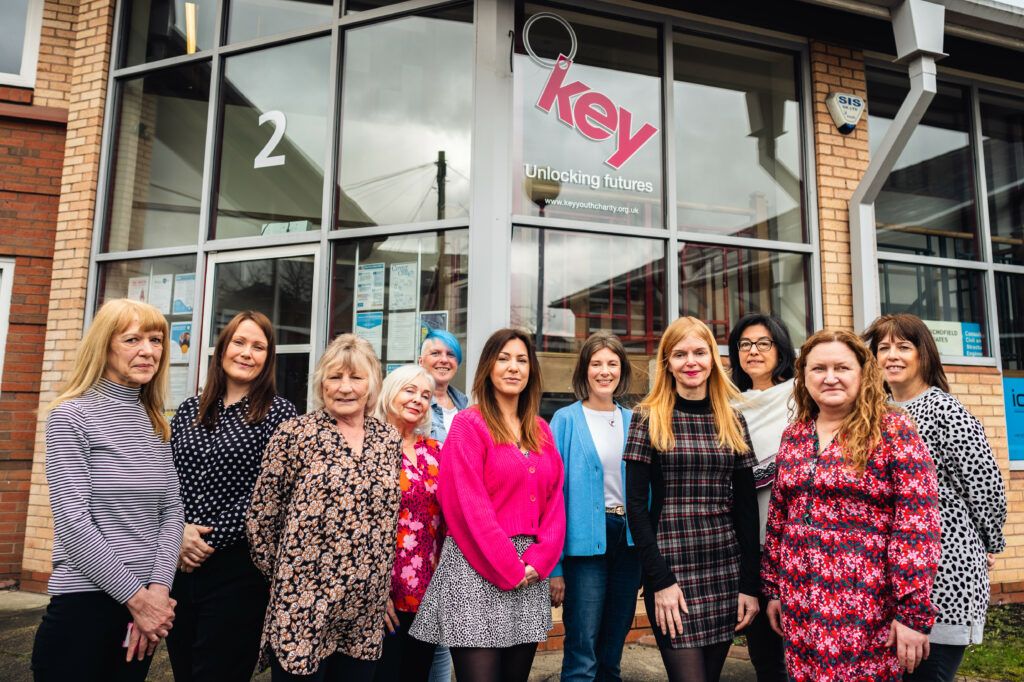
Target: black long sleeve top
[645,481]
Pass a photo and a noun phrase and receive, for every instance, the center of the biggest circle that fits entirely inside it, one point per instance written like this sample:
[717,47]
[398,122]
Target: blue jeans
[600,602]
[940,666]
[442,668]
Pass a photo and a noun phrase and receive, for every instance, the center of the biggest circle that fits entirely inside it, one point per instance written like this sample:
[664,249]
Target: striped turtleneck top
[117,515]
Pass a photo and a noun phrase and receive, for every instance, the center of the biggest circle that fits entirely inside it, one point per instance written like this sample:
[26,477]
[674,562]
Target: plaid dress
[695,539]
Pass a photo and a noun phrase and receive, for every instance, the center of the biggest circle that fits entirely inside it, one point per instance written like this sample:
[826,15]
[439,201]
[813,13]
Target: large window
[21,22]
[937,241]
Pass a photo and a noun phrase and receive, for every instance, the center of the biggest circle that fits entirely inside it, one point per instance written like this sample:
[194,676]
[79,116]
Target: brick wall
[31,162]
[88,59]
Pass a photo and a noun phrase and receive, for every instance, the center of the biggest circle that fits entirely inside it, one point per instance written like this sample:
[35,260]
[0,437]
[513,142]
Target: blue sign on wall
[1013,395]
[972,339]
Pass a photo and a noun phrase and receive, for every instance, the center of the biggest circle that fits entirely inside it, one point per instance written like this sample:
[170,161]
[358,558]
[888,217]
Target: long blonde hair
[657,406]
[860,432]
[113,318]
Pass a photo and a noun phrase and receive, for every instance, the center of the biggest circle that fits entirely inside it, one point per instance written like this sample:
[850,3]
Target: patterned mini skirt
[462,609]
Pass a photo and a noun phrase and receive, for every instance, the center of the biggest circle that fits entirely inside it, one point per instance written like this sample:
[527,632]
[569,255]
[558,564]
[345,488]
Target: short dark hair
[910,328]
[597,341]
[786,366]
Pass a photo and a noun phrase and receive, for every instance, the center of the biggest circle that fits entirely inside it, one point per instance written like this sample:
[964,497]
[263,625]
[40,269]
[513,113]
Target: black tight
[699,664]
[510,664]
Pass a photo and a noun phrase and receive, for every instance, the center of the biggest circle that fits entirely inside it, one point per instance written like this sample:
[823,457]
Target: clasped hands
[152,611]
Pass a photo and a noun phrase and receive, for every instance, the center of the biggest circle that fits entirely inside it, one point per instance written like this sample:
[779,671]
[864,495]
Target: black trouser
[218,619]
[81,638]
[334,668]
[766,649]
[940,666]
[405,658]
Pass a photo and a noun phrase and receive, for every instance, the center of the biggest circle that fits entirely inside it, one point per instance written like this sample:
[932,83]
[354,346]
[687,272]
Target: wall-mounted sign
[957,338]
[846,110]
[1013,395]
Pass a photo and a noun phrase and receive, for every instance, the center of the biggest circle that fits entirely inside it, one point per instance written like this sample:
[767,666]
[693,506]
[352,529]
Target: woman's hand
[557,591]
[194,550]
[911,646]
[774,612]
[746,609]
[391,617]
[532,576]
[990,560]
[667,606]
[152,610]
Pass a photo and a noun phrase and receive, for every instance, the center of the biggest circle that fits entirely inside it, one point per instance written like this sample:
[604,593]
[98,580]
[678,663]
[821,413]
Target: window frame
[6,288]
[26,78]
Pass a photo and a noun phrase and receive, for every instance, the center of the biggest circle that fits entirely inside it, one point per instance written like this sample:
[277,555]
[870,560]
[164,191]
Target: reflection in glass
[738,147]
[170,28]
[158,159]
[1009,294]
[927,204]
[407,109]
[280,288]
[387,288]
[588,137]
[1002,128]
[566,285]
[721,284]
[273,145]
[354,6]
[292,378]
[257,18]
[936,295]
[13,17]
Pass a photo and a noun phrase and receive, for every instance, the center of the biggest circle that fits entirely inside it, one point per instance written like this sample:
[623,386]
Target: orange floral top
[419,526]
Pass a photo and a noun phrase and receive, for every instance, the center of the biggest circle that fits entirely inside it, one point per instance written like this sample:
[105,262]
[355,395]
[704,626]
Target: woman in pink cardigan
[500,488]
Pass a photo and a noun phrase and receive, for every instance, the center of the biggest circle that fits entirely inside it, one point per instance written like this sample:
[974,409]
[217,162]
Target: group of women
[797,499]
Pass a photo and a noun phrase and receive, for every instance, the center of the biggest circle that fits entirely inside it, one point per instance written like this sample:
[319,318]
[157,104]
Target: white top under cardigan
[768,414]
[606,430]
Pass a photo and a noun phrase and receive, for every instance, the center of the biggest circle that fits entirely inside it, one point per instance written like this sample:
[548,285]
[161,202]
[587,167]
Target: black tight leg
[510,664]
[700,664]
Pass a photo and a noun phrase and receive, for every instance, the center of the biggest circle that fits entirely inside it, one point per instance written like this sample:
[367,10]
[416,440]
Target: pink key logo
[592,113]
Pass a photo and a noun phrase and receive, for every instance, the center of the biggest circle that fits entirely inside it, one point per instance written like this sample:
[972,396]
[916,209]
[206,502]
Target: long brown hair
[860,432]
[528,407]
[910,328]
[264,386]
[658,404]
[113,318]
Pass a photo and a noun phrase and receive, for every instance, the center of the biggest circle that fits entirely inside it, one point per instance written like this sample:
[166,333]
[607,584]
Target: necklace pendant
[611,422]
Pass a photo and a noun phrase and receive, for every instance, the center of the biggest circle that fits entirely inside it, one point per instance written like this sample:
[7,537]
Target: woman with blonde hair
[501,493]
[404,403]
[322,524]
[117,516]
[689,449]
[853,528]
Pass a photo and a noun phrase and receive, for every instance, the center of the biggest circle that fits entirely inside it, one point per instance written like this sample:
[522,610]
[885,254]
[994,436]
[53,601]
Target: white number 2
[264,159]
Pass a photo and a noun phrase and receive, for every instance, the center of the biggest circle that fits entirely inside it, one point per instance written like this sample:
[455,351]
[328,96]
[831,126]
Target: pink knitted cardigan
[491,492]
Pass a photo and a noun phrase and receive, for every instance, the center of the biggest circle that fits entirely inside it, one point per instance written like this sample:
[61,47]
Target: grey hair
[392,386]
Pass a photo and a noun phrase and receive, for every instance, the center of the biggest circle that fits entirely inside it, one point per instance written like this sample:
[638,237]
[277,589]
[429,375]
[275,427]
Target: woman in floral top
[322,525]
[853,528]
[405,404]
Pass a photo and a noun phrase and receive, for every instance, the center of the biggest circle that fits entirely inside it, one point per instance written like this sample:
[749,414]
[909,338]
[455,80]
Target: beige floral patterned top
[321,528]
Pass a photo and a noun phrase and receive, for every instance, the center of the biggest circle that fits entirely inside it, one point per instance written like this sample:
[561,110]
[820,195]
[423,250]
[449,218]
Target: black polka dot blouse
[218,469]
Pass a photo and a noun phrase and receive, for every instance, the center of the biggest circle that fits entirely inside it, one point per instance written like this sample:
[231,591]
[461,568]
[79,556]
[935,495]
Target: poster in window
[432,319]
[370,326]
[402,337]
[403,289]
[184,293]
[160,289]
[138,288]
[370,287]
[178,386]
[181,341]
[1013,395]
[956,338]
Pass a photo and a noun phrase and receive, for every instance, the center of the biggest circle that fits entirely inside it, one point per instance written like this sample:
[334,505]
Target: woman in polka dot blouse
[218,438]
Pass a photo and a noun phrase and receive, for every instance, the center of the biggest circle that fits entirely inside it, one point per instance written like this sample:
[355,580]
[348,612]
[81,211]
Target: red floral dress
[849,553]
[419,526]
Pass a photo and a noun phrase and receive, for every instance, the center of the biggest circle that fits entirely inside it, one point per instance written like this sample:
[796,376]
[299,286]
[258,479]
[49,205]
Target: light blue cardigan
[584,482]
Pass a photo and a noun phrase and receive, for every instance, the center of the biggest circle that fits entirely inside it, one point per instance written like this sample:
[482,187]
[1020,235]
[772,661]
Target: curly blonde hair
[860,432]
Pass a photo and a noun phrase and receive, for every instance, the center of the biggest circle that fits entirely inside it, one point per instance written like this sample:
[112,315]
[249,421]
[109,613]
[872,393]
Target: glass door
[280,283]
